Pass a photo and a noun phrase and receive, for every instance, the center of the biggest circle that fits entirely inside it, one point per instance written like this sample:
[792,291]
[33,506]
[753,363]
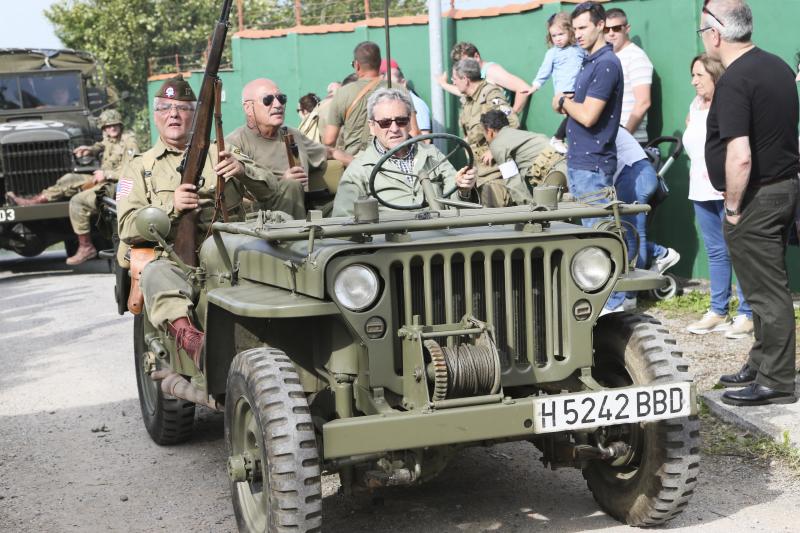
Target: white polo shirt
[637,70]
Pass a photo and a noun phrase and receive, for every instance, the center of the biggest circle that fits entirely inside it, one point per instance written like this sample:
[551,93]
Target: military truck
[379,345]
[47,98]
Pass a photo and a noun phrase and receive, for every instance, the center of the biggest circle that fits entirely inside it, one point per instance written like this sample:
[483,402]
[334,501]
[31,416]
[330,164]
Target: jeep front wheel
[168,420]
[273,462]
[656,480]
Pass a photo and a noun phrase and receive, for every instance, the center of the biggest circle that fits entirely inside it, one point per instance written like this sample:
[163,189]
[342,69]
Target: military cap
[177,89]
[109,117]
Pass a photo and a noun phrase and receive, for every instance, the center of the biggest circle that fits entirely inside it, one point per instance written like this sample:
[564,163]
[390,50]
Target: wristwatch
[733,212]
[561,103]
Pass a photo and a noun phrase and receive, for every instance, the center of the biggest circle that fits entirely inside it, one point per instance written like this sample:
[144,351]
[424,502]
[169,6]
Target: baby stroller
[662,166]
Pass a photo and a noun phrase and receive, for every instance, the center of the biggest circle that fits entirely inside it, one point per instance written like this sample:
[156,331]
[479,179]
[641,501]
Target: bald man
[262,139]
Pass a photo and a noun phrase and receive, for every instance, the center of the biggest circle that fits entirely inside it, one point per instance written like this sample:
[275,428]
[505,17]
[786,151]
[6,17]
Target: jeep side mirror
[152,223]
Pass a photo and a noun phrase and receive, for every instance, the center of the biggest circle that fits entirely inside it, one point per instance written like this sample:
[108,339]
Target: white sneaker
[629,304]
[558,145]
[661,264]
[710,323]
[741,327]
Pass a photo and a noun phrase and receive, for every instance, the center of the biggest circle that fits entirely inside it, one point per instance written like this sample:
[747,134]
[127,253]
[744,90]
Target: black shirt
[755,98]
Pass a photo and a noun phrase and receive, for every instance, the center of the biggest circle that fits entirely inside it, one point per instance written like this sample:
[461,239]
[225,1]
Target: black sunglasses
[710,14]
[616,29]
[386,123]
[268,99]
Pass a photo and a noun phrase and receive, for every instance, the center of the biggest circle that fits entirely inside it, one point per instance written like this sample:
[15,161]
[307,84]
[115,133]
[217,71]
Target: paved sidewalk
[777,422]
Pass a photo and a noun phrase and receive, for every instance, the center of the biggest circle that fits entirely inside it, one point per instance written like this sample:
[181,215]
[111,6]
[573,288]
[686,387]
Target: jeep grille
[31,167]
[510,291]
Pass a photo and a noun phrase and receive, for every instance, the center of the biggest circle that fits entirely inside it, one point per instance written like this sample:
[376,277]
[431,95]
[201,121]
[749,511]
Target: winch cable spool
[463,371]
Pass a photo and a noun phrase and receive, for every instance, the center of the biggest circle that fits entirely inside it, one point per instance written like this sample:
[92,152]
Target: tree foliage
[124,34]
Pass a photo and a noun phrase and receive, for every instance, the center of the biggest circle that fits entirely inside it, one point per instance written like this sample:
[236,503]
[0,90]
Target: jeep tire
[659,479]
[267,421]
[168,420]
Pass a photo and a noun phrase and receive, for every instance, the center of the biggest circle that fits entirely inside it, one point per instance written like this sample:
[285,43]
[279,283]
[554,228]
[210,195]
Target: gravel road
[74,455]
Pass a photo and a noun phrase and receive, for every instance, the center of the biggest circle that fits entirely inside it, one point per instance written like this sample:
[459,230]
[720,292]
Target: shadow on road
[49,263]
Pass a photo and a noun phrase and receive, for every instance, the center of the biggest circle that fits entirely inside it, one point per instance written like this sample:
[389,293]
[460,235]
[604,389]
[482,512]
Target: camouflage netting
[26,59]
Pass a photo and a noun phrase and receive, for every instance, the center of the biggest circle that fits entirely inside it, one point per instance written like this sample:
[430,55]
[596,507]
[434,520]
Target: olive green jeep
[377,346]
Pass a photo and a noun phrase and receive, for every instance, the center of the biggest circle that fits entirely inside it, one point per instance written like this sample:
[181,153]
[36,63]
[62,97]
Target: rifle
[292,152]
[219,196]
[194,158]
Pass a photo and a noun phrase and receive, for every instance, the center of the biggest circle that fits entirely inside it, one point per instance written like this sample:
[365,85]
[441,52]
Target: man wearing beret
[262,140]
[152,179]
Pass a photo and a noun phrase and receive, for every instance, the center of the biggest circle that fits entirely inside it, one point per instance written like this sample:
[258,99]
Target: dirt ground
[74,455]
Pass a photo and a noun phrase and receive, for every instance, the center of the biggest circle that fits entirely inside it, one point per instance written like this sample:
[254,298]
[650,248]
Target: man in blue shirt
[593,112]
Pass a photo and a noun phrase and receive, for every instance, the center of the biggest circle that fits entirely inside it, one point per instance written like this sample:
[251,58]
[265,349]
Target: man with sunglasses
[262,140]
[637,70]
[152,179]
[389,114]
[752,155]
[348,108]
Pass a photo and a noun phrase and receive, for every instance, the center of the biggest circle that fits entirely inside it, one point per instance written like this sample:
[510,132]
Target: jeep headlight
[356,287]
[591,268]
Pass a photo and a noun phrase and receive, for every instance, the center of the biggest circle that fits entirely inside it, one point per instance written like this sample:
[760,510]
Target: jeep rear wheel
[168,420]
[273,463]
[658,476]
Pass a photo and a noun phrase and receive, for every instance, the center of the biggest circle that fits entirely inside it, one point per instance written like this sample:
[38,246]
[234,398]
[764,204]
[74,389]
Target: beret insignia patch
[170,92]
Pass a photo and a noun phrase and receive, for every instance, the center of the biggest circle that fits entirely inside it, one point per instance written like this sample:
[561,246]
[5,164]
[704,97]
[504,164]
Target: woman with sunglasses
[709,209]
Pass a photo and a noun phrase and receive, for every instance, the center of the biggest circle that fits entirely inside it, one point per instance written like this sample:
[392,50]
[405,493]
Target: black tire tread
[670,485]
[282,410]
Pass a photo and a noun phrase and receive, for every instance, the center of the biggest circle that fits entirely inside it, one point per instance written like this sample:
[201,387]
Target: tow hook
[614,450]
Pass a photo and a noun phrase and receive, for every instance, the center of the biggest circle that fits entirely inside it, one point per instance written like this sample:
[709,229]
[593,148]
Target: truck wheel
[168,420]
[273,464]
[658,476]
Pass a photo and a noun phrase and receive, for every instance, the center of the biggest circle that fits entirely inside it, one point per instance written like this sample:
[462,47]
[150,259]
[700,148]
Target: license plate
[609,407]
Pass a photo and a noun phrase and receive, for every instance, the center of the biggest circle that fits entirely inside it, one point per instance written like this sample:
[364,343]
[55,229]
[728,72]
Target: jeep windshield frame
[45,91]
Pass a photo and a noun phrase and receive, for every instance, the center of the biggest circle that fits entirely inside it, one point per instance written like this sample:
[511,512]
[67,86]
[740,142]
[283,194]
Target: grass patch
[694,302]
[720,438]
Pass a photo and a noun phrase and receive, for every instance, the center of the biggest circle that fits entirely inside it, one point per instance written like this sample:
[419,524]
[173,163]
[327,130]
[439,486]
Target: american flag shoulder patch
[124,187]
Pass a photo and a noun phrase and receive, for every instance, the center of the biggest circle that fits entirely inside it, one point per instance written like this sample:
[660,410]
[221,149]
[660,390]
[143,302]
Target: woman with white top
[709,209]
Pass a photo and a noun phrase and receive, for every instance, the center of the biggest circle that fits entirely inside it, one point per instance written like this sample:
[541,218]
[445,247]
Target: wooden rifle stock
[219,196]
[292,152]
[194,159]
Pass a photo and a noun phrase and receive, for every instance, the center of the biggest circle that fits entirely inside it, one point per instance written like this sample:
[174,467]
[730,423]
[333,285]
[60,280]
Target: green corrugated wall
[302,63]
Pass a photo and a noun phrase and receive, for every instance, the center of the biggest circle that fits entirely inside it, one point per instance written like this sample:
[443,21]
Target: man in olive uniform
[115,148]
[152,179]
[479,97]
[262,140]
[389,113]
[525,158]
[348,108]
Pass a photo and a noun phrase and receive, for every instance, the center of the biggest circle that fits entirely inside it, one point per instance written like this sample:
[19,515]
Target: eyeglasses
[353,64]
[701,30]
[268,99]
[386,123]
[180,108]
[616,29]
[710,14]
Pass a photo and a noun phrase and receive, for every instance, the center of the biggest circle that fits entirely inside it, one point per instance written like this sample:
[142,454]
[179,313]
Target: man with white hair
[752,155]
[389,116]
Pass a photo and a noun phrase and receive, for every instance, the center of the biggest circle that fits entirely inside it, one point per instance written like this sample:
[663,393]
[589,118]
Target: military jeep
[376,346]
[47,98]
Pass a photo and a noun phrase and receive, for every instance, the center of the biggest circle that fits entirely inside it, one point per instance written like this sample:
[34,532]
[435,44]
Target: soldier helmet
[109,117]
[176,89]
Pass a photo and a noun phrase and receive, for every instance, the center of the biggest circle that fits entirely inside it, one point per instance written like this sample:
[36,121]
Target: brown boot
[187,337]
[86,251]
[25,202]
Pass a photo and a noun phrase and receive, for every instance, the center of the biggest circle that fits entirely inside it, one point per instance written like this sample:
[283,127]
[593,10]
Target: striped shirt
[637,70]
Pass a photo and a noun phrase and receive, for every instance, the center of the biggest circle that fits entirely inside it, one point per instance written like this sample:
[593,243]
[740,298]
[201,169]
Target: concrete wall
[666,29]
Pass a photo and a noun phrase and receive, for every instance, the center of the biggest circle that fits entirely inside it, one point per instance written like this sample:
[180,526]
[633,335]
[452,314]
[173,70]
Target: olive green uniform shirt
[355,128]
[392,187]
[486,97]
[115,152]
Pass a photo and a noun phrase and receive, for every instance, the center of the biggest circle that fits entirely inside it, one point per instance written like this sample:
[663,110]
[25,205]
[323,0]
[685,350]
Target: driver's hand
[466,178]
[82,150]
[98,176]
[185,197]
[487,158]
[297,174]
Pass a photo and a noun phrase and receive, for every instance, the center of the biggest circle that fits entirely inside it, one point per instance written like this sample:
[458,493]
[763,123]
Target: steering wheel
[406,144]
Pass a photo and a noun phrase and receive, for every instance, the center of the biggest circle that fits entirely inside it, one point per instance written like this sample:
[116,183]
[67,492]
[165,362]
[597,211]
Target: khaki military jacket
[393,188]
[270,155]
[151,178]
[115,152]
[354,128]
[487,97]
[522,147]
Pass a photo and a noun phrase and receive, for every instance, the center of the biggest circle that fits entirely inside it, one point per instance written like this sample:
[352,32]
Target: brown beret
[177,89]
